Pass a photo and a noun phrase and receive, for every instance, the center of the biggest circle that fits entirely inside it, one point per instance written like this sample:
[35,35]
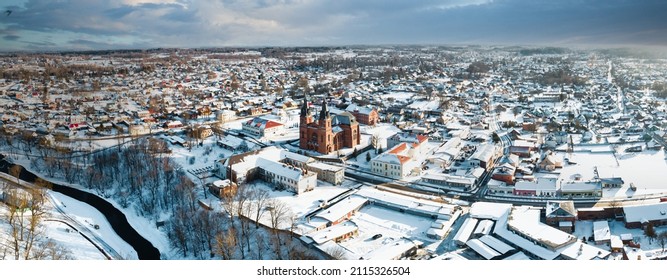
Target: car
[377,236]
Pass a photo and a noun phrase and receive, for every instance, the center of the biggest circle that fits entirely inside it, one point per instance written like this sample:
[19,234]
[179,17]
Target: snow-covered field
[402,96]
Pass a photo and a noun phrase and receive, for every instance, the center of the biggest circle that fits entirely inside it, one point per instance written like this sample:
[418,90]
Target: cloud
[11,37]
[201,23]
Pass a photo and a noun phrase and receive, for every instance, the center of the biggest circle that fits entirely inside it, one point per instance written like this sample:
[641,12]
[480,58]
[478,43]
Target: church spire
[304,106]
[324,114]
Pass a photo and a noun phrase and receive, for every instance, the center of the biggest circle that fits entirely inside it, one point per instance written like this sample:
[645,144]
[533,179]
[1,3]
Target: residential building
[561,214]
[260,127]
[395,163]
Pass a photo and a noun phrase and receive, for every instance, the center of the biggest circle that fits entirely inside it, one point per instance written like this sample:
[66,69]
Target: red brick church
[327,134]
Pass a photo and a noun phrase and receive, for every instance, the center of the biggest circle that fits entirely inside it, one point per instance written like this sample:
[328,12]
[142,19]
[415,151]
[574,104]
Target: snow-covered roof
[324,166]
[601,231]
[428,207]
[280,169]
[496,244]
[484,227]
[616,242]
[489,210]
[333,232]
[340,209]
[526,220]
[484,152]
[518,256]
[452,179]
[582,251]
[482,249]
[465,231]
[542,184]
[261,123]
[579,187]
[392,250]
[231,141]
[650,212]
[502,231]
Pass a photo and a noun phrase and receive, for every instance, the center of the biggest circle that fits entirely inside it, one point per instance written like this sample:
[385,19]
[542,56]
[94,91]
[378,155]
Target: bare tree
[336,252]
[260,199]
[24,216]
[662,240]
[614,205]
[278,211]
[225,243]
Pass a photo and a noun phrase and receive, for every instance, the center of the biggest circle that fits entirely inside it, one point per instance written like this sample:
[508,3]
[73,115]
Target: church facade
[327,134]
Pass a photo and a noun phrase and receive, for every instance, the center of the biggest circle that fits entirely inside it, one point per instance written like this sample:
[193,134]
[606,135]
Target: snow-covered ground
[89,216]
[79,248]
[64,236]
[402,96]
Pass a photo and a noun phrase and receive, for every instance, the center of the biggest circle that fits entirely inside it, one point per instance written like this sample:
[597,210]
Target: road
[61,215]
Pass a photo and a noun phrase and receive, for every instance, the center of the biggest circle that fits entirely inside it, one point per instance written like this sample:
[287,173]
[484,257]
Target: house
[364,115]
[485,156]
[261,127]
[173,124]
[395,163]
[601,232]
[283,176]
[522,148]
[550,162]
[616,244]
[231,142]
[561,214]
[222,188]
[504,173]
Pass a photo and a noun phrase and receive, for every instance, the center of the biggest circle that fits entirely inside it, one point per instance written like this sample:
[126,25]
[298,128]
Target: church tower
[325,140]
[305,119]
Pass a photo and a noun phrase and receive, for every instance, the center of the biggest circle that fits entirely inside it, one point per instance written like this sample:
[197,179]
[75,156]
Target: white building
[395,163]
[285,176]
[260,127]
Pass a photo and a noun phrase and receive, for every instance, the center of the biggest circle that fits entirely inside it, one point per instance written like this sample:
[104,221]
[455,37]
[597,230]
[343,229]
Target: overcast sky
[36,25]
